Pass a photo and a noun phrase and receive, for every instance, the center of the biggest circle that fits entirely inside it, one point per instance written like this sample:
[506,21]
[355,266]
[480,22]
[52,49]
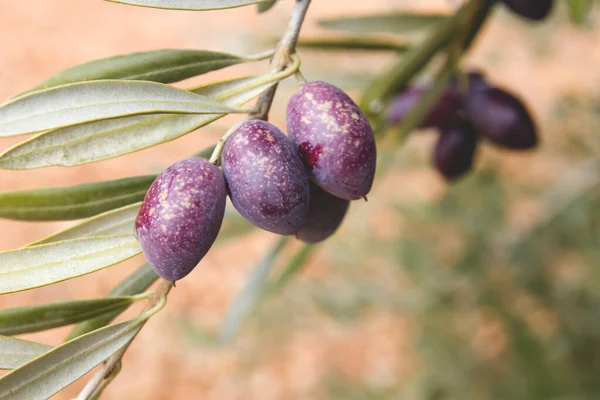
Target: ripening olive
[325,215]
[455,149]
[402,105]
[535,10]
[502,118]
[181,216]
[335,139]
[267,181]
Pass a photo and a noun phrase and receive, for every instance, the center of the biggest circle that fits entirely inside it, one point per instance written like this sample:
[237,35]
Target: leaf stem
[286,48]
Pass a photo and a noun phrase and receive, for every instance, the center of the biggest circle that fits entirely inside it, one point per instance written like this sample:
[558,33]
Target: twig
[286,47]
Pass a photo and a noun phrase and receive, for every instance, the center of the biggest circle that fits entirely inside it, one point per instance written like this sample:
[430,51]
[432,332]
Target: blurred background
[485,289]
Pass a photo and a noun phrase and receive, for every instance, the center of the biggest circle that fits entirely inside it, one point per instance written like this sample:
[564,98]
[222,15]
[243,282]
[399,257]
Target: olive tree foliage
[110,107]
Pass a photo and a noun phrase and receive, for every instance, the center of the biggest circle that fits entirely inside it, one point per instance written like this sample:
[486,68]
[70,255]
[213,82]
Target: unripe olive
[181,216]
[403,104]
[501,118]
[455,149]
[531,9]
[325,214]
[267,181]
[335,139]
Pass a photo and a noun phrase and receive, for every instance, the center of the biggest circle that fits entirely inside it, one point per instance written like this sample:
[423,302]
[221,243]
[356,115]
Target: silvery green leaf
[113,222]
[105,139]
[15,352]
[250,293]
[399,22]
[197,5]
[164,66]
[73,202]
[136,283]
[82,102]
[354,43]
[44,376]
[14,321]
[40,265]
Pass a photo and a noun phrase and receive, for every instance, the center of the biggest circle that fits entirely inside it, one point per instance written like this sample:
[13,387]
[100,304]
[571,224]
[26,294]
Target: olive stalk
[291,69]
[285,49]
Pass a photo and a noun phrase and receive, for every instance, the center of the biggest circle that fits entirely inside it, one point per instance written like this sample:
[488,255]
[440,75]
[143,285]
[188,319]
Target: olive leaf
[400,22]
[73,202]
[197,5]
[163,66]
[134,284]
[18,320]
[354,43]
[250,293]
[105,139]
[113,222]
[265,5]
[15,352]
[40,265]
[78,201]
[291,269]
[54,370]
[82,102]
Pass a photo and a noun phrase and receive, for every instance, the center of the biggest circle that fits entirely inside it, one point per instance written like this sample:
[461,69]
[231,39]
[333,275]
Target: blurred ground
[416,297]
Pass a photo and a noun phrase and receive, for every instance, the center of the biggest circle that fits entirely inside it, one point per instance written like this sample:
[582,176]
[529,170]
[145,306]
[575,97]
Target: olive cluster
[464,115]
[299,184]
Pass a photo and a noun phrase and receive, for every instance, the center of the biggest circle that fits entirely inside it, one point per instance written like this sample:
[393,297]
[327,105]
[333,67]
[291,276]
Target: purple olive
[402,105]
[267,181]
[325,215]
[334,138]
[535,10]
[501,118]
[455,149]
[181,216]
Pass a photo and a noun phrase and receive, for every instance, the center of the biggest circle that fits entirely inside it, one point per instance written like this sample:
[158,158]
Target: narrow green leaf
[81,102]
[73,202]
[79,201]
[44,376]
[354,43]
[14,321]
[164,66]
[113,222]
[105,139]
[195,5]
[16,352]
[135,283]
[400,22]
[36,266]
[265,6]
[292,268]
[251,292]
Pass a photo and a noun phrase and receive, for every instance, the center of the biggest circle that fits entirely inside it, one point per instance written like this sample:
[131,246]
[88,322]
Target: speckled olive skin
[181,216]
[267,182]
[455,149]
[334,138]
[501,118]
[325,214]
